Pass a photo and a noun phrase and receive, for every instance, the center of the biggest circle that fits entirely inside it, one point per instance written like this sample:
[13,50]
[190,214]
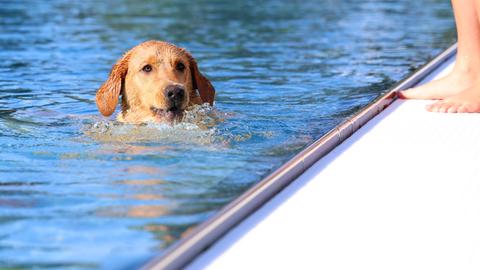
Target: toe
[462,109]
[411,93]
[470,108]
[429,107]
[444,107]
[475,108]
[453,108]
[433,107]
[406,94]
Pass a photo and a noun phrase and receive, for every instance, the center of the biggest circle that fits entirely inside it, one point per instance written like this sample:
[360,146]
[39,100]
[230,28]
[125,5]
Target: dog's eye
[180,66]
[147,68]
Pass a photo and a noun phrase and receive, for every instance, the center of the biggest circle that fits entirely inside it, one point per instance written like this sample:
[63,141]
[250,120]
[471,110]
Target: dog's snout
[175,93]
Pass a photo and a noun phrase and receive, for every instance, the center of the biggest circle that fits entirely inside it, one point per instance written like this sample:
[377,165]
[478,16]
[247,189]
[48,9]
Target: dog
[157,81]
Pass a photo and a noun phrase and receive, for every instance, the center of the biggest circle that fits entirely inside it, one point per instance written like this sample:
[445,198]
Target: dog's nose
[175,93]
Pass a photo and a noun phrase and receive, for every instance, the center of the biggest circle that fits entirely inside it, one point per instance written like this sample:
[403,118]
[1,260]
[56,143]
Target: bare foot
[459,92]
[467,101]
[454,83]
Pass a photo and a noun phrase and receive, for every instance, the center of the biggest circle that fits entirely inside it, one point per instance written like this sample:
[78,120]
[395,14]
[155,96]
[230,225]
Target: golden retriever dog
[157,81]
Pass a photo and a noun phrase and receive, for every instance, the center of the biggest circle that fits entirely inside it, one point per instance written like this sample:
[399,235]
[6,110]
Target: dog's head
[156,80]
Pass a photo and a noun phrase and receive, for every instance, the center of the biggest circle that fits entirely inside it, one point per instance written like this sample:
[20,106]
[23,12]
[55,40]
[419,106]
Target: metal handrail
[205,234]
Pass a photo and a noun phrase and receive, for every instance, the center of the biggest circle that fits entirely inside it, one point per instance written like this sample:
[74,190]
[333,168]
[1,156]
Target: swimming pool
[79,192]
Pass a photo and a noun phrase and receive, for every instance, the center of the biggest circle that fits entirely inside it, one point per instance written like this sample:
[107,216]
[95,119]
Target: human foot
[455,83]
[467,101]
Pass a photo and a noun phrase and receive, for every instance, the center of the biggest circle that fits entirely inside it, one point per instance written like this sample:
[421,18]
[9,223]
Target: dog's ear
[108,93]
[200,82]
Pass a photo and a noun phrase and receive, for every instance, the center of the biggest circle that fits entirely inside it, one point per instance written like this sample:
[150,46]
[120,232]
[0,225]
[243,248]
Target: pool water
[79,191]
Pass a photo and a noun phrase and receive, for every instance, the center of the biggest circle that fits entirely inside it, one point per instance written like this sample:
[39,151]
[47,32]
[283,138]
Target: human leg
[459,89]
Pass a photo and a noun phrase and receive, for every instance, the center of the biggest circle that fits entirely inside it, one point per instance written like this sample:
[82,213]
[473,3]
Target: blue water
[78,191]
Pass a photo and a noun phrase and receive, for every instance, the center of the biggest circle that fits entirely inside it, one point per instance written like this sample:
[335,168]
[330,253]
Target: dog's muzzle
[175,97]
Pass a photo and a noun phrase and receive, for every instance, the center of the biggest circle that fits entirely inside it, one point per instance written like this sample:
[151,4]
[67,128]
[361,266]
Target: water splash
[200,125]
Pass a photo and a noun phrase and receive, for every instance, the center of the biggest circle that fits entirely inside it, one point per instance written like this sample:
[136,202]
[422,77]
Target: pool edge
[206,233]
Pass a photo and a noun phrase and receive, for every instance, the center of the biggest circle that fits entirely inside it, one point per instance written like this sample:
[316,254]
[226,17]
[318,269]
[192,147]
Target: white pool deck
[403,192]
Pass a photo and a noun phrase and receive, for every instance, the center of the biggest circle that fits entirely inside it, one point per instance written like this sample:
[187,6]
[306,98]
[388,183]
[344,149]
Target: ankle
[467,66]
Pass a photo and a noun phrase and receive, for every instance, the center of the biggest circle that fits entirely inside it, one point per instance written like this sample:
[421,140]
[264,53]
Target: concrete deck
[403,192]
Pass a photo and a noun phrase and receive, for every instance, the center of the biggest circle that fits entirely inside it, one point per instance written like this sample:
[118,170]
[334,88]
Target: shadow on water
[79,191]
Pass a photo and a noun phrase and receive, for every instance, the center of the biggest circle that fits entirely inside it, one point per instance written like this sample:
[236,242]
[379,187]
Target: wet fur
[140,93]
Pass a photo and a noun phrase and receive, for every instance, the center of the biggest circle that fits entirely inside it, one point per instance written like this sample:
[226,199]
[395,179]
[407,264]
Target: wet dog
[157,81]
